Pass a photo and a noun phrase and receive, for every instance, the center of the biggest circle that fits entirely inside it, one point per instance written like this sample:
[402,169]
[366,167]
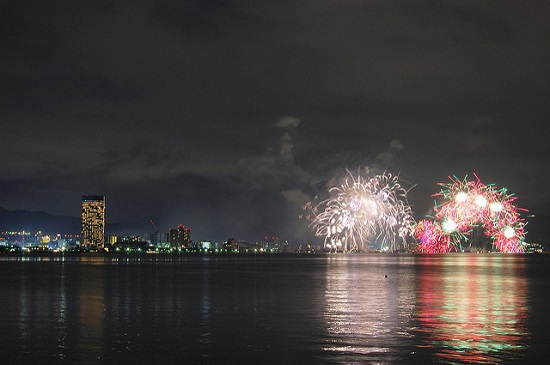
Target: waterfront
[332,309]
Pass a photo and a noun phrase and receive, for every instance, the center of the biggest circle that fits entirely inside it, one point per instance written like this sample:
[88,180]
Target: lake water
[317,309]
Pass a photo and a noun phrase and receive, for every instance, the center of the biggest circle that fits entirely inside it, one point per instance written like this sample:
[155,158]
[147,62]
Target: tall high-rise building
[180,237]
[93,222]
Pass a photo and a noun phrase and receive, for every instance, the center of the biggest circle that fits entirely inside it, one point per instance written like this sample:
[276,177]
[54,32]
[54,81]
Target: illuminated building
[93,222]
[180,237]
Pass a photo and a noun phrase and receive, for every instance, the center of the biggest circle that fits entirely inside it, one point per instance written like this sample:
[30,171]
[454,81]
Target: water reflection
[338,309]
[90,311]
[473,308]
[369,305]
[62,316]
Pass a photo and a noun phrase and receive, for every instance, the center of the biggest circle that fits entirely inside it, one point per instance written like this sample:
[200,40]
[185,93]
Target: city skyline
[229,117]
[95,233]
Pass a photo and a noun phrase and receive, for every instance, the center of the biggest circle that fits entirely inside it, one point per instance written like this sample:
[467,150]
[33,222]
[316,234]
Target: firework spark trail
[467,204]
[432,238]
[362,211]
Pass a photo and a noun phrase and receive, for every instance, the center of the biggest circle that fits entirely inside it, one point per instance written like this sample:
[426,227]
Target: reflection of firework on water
[361,211]
[466,205]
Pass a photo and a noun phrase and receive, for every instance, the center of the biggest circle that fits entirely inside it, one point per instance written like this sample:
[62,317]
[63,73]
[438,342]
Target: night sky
[228,116]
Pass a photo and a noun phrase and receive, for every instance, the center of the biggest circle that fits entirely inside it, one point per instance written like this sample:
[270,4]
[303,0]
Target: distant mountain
[18,220]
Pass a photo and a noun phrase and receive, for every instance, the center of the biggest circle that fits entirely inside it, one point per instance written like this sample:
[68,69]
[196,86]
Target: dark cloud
[227,115]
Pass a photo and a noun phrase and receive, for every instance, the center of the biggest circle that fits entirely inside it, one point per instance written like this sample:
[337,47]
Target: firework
[467,204]
[360,211]
[432,238]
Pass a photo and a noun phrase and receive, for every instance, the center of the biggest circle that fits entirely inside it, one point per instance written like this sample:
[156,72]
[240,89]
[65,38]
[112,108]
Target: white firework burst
[363,211]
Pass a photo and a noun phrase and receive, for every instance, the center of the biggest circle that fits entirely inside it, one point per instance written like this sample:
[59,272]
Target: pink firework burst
[467,204]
